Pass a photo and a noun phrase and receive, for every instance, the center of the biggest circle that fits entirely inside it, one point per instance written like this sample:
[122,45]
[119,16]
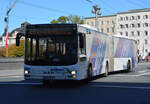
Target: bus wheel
[89,73]
[128,66]
[106,70]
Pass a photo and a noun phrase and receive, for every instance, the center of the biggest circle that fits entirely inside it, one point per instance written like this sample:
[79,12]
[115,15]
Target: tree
[54,22]
[69,19]
[62,19]
[75,19]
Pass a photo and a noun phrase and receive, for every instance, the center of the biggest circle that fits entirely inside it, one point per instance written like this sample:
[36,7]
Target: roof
[135,11]
[101,16]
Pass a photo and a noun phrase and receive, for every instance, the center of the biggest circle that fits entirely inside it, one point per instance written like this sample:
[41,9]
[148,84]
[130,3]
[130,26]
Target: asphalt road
[117,88]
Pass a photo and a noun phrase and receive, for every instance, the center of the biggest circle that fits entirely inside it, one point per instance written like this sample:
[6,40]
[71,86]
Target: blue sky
[43,11]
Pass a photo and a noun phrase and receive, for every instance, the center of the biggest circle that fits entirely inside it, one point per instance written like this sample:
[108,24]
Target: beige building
[105,24]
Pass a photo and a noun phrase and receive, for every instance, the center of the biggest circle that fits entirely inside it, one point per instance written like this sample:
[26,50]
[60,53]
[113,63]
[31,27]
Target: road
[117,88]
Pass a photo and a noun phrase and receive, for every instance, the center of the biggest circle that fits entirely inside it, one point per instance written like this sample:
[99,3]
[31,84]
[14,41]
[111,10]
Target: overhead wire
[43,7]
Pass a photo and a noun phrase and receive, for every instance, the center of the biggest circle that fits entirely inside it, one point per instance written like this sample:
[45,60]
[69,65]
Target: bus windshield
[51,50]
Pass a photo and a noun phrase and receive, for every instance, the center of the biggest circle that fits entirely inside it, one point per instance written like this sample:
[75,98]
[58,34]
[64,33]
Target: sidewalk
[7,73]
[11,60]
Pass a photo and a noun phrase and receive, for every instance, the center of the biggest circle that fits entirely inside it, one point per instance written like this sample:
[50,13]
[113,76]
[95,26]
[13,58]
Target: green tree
[68,19]
[62,19]
[54,22]
[75,19]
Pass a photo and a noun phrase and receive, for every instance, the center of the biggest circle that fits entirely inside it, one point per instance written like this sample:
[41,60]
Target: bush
[13,50]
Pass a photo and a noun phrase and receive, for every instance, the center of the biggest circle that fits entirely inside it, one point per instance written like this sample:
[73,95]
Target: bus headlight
[26,72]
[73,72]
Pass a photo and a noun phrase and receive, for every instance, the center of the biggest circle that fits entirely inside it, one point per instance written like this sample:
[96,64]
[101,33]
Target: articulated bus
[74,52]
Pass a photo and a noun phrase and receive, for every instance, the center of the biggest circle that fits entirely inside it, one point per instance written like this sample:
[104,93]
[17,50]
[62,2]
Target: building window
[120,33]
[108,30]
[138,32]
[138,42]
[138,17]
[126,18]
[145,24]
[126,33]
[146,50]
[139,25]
[132,33]
[107,22]
[113,22]
[146,33]
[145,16]
[132,17]
[127,25]
[132,25]
[92,24]
[102,29]
[113,30]
[146,42]
[102,22]
[121,26]
[121,18]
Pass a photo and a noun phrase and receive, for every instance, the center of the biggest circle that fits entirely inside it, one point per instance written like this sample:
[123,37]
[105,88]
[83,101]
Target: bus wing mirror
[19,35]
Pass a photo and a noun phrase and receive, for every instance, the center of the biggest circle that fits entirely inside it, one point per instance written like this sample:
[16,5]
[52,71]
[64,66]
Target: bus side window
[82,45]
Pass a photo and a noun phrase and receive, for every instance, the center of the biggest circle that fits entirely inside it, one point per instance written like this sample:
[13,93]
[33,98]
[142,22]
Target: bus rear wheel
[89,74]
[128,66]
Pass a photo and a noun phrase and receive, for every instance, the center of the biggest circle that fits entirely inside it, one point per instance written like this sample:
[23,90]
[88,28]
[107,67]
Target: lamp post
[6,29]
[96,11]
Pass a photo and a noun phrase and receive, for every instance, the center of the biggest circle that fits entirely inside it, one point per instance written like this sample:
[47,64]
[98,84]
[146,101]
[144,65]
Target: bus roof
[125,37]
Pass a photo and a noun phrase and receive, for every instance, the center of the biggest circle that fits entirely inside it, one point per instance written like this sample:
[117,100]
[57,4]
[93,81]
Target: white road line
[127,87]
[143,74]
[143,71]
[11,83]
[123,75]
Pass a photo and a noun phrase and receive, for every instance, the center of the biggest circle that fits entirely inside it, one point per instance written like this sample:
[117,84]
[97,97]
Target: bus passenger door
[82,53]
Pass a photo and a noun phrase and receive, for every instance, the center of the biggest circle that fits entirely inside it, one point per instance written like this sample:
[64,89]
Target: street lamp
[96,11]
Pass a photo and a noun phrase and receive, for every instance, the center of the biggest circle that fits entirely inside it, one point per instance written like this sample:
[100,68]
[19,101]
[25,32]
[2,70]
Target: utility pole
[96,11]
[6,29]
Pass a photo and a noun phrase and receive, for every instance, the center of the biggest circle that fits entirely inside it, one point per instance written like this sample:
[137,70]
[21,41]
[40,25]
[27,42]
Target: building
[12,35]
[105,24]
[0,41]
[133,23]
[136,24]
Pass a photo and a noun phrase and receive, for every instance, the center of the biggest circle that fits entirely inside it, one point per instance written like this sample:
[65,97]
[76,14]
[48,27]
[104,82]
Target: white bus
[74,52]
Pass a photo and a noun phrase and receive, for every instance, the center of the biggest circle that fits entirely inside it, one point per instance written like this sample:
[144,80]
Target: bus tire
[89,73]
[106,70]
[128,66]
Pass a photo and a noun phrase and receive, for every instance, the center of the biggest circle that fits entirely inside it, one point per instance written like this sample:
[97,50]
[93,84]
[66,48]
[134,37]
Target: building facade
[136,24]
[105,24]
[133,23]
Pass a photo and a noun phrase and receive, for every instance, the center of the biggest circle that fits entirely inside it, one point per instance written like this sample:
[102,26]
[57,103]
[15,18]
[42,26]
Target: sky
[43,11]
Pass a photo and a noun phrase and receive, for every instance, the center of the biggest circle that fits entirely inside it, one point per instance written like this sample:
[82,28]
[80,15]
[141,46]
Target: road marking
[126,75]
[143,74]
[127,87]
[143,71]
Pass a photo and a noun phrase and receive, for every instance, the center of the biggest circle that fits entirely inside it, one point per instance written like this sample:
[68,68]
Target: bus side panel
[123,51]
[97,53]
